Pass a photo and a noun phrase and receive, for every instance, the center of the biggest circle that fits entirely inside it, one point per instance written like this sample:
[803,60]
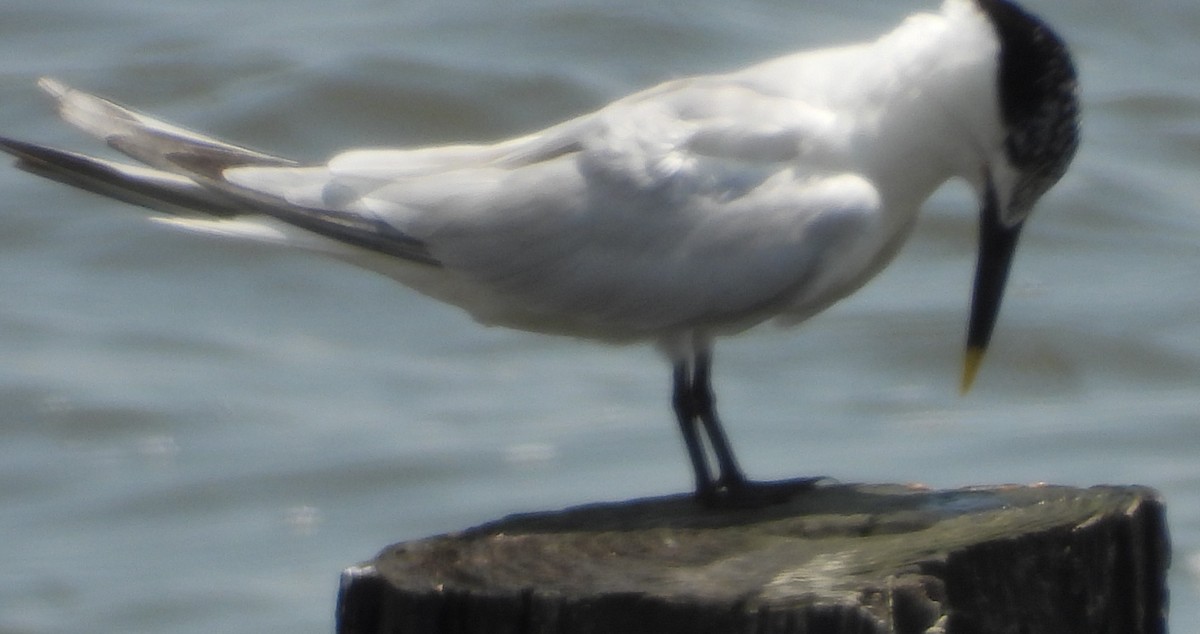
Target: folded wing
[694,202]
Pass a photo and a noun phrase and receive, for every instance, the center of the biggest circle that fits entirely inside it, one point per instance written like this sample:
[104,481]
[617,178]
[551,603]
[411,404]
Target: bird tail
[143,186]
[182,169]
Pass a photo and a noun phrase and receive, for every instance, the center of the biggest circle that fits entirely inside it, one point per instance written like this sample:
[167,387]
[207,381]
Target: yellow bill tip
[971,363]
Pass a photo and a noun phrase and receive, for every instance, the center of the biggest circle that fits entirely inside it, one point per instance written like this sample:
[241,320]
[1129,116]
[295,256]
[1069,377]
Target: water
[198,436]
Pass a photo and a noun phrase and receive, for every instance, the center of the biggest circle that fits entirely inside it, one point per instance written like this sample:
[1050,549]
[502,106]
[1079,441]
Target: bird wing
[701,200]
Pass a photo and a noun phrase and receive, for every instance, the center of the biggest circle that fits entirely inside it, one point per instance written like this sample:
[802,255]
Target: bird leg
[709,449]
[685,412]
[702,433]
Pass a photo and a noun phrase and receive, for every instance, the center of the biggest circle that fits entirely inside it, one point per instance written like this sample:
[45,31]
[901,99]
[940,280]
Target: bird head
[1036,87]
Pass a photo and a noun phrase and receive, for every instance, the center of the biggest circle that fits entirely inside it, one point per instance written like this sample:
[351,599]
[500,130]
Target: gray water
[197,436]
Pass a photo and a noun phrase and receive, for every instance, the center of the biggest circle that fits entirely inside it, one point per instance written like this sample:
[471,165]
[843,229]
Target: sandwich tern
[686,212]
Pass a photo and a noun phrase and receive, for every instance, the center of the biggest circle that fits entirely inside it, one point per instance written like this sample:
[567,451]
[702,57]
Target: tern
[683,213]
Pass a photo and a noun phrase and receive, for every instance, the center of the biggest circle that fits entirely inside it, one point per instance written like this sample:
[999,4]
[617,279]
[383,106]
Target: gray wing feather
[142,186]
[188,174]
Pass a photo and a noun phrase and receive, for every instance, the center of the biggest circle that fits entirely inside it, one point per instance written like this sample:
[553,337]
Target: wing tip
[53,87]
[31,157]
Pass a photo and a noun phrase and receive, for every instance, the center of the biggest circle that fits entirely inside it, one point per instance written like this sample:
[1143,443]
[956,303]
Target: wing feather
[206,161]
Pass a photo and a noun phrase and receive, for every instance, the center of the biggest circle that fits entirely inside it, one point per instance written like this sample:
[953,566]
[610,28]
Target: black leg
[695,410]
[731,477]
[721,484]
[685,412]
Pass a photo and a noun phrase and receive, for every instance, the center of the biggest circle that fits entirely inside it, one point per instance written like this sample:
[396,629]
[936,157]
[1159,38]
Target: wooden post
[836,559]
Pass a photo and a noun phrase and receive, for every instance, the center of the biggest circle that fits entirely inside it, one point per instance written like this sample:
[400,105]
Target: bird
[683,213]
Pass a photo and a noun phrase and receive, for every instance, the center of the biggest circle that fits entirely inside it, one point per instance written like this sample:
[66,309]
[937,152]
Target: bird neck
[928,109]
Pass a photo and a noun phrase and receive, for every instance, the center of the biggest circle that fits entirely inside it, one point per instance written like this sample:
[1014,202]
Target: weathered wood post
[836,559]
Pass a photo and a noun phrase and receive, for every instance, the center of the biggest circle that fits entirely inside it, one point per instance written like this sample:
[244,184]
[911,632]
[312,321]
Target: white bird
[689,211]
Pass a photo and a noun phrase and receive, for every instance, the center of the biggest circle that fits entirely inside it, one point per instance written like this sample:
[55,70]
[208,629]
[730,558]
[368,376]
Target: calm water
[198,436]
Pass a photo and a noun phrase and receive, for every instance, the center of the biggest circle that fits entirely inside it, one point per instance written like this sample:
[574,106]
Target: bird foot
[748,494]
